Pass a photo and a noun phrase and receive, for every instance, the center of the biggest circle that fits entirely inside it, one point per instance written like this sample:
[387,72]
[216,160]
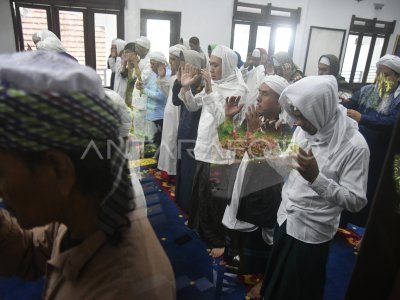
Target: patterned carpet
[198,276]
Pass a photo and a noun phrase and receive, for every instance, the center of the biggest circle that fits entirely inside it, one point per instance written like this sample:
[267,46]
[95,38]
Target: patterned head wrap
[48,101]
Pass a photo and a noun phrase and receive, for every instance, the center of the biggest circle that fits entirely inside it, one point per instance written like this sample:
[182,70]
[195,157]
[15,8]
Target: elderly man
[65,178]
[376,108]
[329,175]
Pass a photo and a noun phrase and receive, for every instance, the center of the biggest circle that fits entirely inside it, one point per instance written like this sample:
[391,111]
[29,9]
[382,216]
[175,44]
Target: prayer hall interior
[262,137]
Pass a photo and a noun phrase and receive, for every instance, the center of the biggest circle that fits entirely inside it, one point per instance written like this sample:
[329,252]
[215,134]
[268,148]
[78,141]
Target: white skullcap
[120,44]
[158,56]
[123,111]
[324,60]
[176,50]
[276,83]
[256,53]
[39,71]
[390,61]
[143,41]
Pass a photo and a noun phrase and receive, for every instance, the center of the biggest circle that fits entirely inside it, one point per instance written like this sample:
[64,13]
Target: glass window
[375,56]
[362,59]
[158,32]
[33,20]
[349,56]
[283,38]
[263,33]
[241,39]
[105,32]
[72,35]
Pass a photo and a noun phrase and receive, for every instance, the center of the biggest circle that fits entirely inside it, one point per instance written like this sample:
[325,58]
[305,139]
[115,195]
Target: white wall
[211,20]
[7,30]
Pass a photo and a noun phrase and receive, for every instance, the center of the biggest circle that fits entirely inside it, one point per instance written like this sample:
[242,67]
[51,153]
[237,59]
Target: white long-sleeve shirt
[208,148]
[120,83]
[312,210]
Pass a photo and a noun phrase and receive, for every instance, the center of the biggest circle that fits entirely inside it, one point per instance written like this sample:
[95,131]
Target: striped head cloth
[48,101]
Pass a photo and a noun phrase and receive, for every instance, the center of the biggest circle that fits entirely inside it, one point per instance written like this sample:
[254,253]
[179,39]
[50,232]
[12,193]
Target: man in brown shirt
[65,178]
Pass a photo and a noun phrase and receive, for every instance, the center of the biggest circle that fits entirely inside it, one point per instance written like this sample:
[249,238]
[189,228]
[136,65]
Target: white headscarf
[119,43]
[176,50]
[195,58]
[229,61]
[316,98]
[47,40]
[143,41]
[185,42]
[123,111]
[50,44]
[390,61]
[159,57]
[42,35]
[231,75]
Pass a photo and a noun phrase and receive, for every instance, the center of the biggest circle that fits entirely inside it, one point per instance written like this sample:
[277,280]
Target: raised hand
[189,75]
[139,85]
[252,118]
[307,165]
[205,73]
[161,71]
[232,106]
[133,58]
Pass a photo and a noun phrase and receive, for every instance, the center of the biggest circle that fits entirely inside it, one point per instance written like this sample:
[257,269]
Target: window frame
[375,29]
[87,7]
[173,16]
[265,18]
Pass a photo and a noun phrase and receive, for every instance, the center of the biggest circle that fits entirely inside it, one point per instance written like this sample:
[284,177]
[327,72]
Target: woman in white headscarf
[42,35]
[114,61]
[329,175]
[168,150]
[48,41]
[223,81]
